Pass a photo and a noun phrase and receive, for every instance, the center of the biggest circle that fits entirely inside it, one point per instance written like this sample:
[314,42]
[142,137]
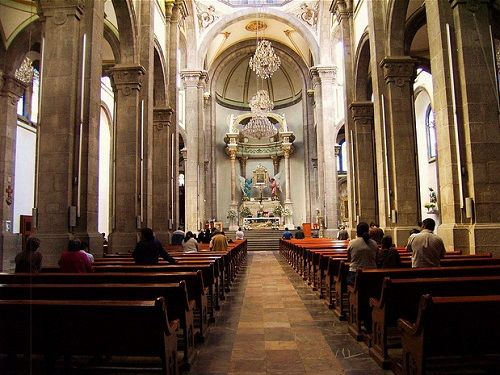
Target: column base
[95,241]
[52,245]
[122,242]
[10,245]
[473,239]
[456,237]
[399,234]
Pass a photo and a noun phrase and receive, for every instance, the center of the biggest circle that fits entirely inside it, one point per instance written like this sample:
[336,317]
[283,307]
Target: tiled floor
[273,323]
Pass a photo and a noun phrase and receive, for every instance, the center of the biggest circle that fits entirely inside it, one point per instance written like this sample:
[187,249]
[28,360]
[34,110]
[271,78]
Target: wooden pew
[207,270]
[369,284]
[110,328]
[453,333]
[399,299]
[178,304]
[193,280]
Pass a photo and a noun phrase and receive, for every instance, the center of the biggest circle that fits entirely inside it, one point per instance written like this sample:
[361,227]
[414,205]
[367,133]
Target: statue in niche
[246,187]
[275,186]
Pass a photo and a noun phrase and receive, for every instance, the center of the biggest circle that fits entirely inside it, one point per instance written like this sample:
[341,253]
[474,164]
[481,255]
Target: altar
[261,223]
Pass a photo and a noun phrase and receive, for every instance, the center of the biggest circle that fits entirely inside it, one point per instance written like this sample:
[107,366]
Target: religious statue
[275,185]
[246,187]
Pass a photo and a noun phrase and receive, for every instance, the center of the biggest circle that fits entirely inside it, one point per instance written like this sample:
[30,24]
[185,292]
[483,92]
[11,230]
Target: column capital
[471,5]
[324,74]
[127,77]
[399,70]
[193,78]
[184,154]
[362,111]
[342,9]
[60,10]
[12,87]
[162,117]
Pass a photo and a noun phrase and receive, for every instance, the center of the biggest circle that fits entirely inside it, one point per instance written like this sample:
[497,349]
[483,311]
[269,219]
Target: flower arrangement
[287,212]
[278,210]
[245,212]
[431,205]
[232,214]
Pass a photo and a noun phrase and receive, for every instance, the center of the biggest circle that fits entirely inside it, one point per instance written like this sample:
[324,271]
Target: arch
[248,47]
[414,23]
[362,80]
[113,39]
[159,83]
[396,20]
[19,48]
[127,27]
[270,13]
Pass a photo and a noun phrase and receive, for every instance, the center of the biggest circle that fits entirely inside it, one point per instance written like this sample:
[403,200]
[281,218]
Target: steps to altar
[261,240]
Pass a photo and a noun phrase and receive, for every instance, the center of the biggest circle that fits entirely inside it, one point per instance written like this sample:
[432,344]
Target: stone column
[479,112]
[324,78]
[276,164]
[58,123]
[234,204]
[11,91]
[343,10]
[127,81]
[288,202]
[452,230]
[364,161]
[87,202]
[399,73]
[161,172]
[243,166]
[194,103]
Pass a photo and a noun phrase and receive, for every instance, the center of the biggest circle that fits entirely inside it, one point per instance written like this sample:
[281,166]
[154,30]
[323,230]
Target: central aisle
[272,323]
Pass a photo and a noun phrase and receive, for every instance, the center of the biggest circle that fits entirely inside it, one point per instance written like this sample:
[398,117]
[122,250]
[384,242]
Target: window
[430,127]
[341,156]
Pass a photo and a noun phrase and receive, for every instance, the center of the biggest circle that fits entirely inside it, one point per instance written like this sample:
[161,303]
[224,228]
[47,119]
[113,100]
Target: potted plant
[432,204]
[245,212]
[232,214]
[278,210]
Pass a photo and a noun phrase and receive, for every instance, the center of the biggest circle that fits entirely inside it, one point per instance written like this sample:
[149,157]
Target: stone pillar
[194,104]
[364,161]
[324,87]
[288,202]
[479,111]
[343,10]
[11,91]
[232,155]
[243,166]
[127,81]
[399,73]
[172,44]
[276,164]
[87,203]
[161,172]
[452,230]
[58,123]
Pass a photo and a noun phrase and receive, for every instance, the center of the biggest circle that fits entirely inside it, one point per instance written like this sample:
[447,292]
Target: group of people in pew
[299,234]
[216,239]
[76,258]
[364,252]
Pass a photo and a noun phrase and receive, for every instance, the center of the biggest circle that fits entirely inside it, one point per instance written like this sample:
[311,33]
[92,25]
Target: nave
[273,323]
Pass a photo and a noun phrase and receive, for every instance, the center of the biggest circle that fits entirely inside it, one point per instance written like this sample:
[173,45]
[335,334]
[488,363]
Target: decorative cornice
[127,77]
[13,87]
[326,74]
[194,78]
[472,5]
[342,9]
[361,110]
[399,70]
[60,10]
[162,118]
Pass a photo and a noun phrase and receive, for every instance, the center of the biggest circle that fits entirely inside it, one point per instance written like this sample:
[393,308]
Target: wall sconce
[206,98]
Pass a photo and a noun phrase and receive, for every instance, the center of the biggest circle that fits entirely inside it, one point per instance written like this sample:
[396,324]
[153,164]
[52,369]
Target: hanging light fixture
[259,125]
[264,62]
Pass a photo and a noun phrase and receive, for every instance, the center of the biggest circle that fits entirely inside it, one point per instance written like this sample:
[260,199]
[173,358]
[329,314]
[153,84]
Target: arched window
[341,156]
[430,127]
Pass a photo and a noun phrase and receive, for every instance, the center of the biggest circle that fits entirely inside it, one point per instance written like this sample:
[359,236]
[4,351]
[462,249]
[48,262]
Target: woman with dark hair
[361,252]
[148,249]
[29,260]
[190,245]
[388,256]
[74,260]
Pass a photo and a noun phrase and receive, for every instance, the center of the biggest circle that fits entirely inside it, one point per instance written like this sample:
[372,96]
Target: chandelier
[259,125]
[25,72]
[264,62]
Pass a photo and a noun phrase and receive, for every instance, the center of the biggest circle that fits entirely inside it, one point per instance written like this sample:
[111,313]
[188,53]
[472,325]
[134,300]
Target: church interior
[258,116]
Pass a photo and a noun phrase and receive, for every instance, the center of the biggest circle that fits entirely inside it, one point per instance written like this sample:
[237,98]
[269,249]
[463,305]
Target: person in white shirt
[189,244]
[427,248]
[239,235]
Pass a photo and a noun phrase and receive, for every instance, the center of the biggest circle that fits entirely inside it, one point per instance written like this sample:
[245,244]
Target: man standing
[427,248]
[343,234]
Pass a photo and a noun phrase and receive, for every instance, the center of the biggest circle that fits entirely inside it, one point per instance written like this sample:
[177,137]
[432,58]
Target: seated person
[190,245]
[218,242]
[239,235]
[388,256]
[177,237]
[85,248]
[75,260]
[29,260]
[299,234]
[148,249]
[287,235]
